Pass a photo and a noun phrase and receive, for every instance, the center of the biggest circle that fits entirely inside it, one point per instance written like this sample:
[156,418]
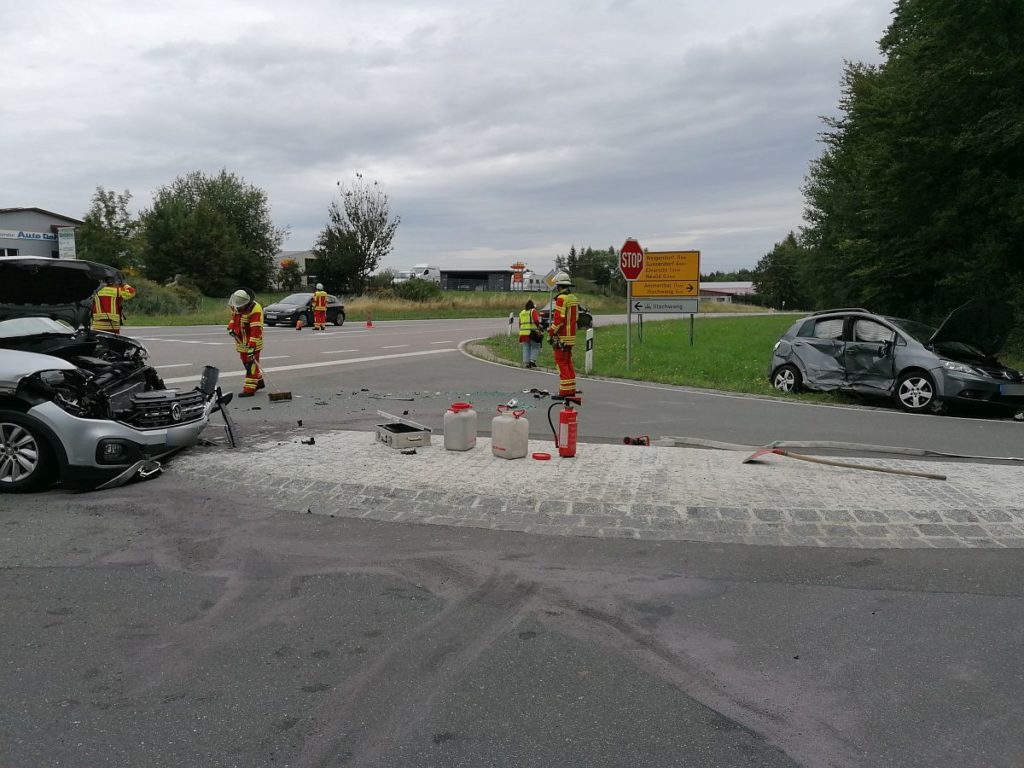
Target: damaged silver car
[921,368]
[77,405]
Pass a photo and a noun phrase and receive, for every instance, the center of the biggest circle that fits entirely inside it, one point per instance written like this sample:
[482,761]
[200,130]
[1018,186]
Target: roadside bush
[418,290]
[151,298]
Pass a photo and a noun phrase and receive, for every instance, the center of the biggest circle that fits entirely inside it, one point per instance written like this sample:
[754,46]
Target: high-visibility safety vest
[108,305]
[527,323]
[320,300]
[247,325]
[563,318]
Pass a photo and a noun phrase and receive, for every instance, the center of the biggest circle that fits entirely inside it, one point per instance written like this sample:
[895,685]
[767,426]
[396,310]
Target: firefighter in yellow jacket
[246,327]
[562,333]
[320,308]
[108,305]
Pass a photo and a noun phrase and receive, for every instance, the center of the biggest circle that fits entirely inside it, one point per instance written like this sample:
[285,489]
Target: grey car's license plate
[1011,389]
[271,317]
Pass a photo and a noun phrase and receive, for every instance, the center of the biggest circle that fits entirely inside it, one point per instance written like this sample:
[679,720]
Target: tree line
[215,233]
[916,203]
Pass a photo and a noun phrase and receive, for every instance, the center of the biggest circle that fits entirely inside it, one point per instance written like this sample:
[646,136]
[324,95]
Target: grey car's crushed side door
[870,356]
[821,354]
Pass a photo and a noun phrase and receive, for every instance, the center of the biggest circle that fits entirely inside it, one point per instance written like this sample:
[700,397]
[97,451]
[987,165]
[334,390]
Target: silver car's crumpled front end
[97,450]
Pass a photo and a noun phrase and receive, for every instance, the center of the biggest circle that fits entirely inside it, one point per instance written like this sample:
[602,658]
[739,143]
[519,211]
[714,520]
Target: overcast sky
[500,131]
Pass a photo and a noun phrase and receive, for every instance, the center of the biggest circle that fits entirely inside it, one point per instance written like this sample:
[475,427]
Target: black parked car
[291,308]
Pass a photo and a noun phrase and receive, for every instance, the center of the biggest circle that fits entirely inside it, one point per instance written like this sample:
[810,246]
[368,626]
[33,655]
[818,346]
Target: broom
[275,397]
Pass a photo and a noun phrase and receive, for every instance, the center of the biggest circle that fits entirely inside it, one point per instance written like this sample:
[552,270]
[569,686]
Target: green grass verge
[728,353]
[454,304]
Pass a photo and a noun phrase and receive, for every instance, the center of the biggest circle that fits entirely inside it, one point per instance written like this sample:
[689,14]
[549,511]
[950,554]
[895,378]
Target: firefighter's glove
[250,351]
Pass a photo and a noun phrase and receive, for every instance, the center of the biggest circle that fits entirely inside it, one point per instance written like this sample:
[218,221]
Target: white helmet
[319,286]
[562,278]
[239,299]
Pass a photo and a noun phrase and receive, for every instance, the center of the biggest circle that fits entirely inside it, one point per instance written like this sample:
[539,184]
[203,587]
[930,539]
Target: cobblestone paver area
[634,492]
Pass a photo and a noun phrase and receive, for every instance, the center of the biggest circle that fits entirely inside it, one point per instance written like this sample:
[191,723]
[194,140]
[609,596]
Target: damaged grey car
[79,406]
[921,368]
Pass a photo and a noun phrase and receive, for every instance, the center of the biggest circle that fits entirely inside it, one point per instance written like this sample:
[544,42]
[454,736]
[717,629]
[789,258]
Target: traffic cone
[369,320]
[298,324]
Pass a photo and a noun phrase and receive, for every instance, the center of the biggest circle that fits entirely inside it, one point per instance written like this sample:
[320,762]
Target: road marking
[183,341]
[442,342]
[273,357]
[338,351]
[325,364]
[396,346]
[174,365]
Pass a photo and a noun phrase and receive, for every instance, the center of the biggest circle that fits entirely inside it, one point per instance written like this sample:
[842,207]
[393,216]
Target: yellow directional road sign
[668,274]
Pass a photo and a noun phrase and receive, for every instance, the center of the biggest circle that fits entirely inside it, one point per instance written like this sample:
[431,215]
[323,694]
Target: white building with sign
[36,232]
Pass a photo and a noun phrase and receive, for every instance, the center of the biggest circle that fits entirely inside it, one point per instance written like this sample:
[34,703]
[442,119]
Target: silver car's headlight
[952,365]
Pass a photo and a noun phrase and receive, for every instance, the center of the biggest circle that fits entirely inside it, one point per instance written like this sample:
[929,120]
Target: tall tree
[216,230]
[777,275]
[109,233]
[917,202]
[358,235]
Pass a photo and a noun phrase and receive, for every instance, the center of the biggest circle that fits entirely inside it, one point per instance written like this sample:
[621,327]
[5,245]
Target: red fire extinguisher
[565,437]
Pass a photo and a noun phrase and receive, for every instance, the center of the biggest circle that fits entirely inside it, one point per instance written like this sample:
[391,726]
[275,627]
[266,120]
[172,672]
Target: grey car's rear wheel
[915,392]
[787,378]
[25,458]
[339,319]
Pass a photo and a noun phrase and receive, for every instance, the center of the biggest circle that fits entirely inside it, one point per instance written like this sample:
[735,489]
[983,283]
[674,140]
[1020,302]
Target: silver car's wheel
[915,392]
[24,459]
[787,379]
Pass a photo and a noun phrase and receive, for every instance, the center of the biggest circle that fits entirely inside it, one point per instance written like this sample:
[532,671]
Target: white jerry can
[459,427]
[510,433]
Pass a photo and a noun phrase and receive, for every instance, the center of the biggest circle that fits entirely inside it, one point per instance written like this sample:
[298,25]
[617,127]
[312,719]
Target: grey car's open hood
[61,289]
[982,324]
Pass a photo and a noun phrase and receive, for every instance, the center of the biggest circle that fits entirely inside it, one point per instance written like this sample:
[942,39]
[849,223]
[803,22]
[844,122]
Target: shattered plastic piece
[364,389]
[256,408]
[409,452]
[512,403]
[311,441]
[300,422]
[405,413]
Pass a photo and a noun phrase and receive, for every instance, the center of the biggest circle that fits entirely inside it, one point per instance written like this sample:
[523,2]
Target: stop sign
[631,259]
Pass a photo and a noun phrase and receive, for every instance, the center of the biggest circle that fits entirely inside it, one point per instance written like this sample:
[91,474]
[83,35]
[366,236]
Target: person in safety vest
[108,305]
[530,335]
[246,327]
[320,308]
[562,333]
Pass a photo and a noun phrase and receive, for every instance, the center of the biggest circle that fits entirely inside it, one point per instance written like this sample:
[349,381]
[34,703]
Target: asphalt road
[343,376]
[173,624]
[159,625]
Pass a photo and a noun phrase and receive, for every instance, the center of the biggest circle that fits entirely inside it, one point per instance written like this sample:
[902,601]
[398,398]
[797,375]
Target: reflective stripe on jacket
[320,300]
[563,318]
[247,325]
[108,306]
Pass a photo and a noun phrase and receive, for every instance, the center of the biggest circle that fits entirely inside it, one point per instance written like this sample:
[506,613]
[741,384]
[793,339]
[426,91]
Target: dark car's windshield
[920,331]
[297,299]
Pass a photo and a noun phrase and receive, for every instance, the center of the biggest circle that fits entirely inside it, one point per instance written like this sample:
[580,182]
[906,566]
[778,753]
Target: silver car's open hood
[983,325]
[61,289]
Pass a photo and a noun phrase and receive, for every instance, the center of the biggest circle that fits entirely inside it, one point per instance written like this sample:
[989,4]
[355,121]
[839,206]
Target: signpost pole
[691,329]
[629,318]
